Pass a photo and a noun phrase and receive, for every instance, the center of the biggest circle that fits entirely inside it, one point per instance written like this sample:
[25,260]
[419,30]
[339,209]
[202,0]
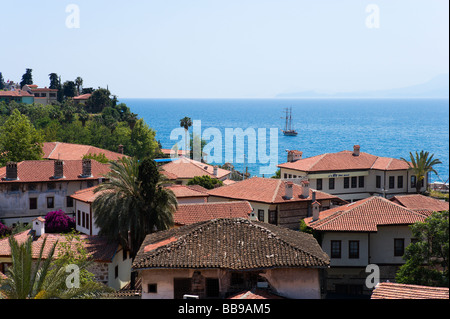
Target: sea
[382,127]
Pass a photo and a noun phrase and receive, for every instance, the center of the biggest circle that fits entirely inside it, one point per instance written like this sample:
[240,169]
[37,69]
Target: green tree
[41,279]
[27,78]
[205,181]
[427,258]
[133,203]
[2,82]
[186,123]
[421,163]
[54,81]
[69,89]
[19,140]
[142,140]
[79,84]
[99,99]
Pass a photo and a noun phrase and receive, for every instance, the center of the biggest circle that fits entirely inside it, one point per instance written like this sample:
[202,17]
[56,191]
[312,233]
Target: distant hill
[438,87]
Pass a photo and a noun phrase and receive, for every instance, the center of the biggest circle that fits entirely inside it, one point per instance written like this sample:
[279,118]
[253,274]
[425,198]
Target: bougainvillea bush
[58,222]
[3,230]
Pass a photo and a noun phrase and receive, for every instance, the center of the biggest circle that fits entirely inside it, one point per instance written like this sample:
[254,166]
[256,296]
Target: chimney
[316,210]
[216,168]
[355,150]
[86,167]
[58,171]
[305,188]
[288,190]
[39,226]
[120,149]
[11,171]
[294,155]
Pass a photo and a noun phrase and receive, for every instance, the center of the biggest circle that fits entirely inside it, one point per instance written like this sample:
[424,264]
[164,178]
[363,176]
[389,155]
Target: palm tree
[79,84]
[45,280]
[133,203]
[186,122]
[421,163]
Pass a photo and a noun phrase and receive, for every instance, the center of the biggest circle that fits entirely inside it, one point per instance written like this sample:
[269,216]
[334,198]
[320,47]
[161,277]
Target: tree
[58,222]
[69,89]
[19,140]
[205,181]
[142,140]
[427,258]
[186,122]
[41,279]
[79,84]
[2,82]
[132,203]
[98,101]
[421,163]
[54,81]
[27,78]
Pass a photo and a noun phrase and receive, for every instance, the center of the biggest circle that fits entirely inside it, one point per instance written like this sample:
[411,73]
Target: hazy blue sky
[226,48]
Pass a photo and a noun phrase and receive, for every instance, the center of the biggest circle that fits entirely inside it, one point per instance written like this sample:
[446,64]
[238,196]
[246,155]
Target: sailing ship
[288,130]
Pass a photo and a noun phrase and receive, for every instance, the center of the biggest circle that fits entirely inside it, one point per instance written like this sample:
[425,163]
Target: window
[50,202]
[79,218]
[413,181]
[69,201]
[335,249]
[331,183]
[273,217]
[90,183]
[52,94]
[87,220]
[354,181]
[124,256]
[319,184]
[152,288]
[346,182]
[43,94]
[353,249]
[51,186]
[83,219]
[400,181]
[391,181]
[261,215]
[285,175]
[33,203]
[378,181]
[212,287]
[31,187]
[116,271]
[399,247]
[361,181]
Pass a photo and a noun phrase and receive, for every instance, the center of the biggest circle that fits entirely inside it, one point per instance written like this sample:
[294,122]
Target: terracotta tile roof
[185,168]
[364,216]
[43,171]
[194,213]
[69,151]
[99,248]
[16,93]
[86,195]
[266,190]
[345,160]
[183,191]
[388,290]
[82,96]
[418,202]
[237,244]
[256,294]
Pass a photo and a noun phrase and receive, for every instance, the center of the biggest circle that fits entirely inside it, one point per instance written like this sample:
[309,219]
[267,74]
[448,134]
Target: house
[70,151]
[42,96]
[352,175]
[222,257]
[276,201]
[187,214]
[110,262]
[82,99]
[30,189]
[390,290]
[370,231]
[19,96]
[421,203]
[184,169]
[189,194]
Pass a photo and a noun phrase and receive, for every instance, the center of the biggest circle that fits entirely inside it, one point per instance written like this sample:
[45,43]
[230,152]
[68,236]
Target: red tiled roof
[345,160]
[182,191]
[69,151]
[388,290]
[82,96]
[266,190]
[43,171]
[86,195]
[255,294]
[364,215]
[33,89]
[99,248]
[186,168]
[16,93]
[193,213]
[422,203]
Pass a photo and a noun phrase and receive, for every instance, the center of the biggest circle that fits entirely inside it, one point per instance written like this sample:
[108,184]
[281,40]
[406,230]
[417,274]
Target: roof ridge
[276,190]
[54,148]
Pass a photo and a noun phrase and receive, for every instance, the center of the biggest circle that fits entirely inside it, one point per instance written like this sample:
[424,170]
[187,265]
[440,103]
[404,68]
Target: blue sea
[382,127]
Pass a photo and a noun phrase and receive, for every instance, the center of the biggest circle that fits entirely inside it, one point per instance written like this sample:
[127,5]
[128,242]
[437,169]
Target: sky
[226,48]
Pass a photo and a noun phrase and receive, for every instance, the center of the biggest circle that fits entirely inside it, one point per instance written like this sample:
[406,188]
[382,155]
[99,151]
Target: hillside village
[309,234]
